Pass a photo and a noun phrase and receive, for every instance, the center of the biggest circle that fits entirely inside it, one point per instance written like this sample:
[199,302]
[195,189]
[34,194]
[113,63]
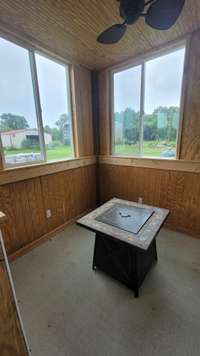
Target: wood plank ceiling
[70,27]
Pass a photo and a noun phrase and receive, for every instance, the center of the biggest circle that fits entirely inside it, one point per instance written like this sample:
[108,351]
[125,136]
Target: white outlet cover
[140,200]
[48,213]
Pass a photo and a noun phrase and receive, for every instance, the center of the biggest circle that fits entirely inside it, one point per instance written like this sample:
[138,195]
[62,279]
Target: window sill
[15,174]
[154,163]
[145,157]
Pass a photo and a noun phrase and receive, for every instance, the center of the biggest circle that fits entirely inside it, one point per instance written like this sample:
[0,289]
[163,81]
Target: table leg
[123,262]
[136,281]
[155,247]
[136,292]
[94,267]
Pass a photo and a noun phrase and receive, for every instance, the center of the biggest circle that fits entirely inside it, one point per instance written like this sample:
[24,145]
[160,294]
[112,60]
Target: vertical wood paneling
[104,112]
[23,205]
[95,111]
[12,339]
[190,144]
[67,194]
[8,227]
[177,191]
[82,107]
[1,160]
[86,112]
[36,206]
[53,197]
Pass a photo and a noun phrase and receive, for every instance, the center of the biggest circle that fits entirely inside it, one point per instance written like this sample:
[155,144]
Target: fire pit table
[125,243]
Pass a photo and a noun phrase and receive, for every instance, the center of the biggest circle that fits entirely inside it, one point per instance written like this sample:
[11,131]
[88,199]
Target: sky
[16,85]
[162,84]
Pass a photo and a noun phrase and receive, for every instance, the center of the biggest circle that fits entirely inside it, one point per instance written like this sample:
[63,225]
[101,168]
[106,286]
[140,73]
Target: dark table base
[122,261]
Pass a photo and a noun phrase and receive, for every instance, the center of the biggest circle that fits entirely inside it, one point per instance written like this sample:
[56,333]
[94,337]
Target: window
[54,98]
[17,108]
[127,110]
[29,81]
[146,107]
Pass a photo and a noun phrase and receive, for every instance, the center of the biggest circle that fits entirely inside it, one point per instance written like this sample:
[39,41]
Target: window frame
[38,108]
[141,61]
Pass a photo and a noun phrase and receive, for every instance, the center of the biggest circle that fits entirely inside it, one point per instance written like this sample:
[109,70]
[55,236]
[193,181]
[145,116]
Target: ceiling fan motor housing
[130,10]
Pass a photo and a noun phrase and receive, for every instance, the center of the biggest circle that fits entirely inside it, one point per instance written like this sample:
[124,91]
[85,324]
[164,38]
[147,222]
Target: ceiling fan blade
[162,14]
[113,34]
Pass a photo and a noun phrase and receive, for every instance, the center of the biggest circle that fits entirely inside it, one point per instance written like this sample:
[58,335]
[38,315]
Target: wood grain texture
[158,163]
[190,143]
[12,342]
[23,204]
[189,138]
[177,191]
[82,111]
[49,235]
[2,217]
[1,160]
[104,112]
[95,110]
[70,28]
[11,175]
[67,194]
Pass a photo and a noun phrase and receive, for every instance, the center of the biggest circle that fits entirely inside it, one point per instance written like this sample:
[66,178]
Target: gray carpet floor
[69,310]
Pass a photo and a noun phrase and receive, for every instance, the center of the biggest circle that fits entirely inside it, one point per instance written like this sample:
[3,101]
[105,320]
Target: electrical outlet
[140,200]
[48,213]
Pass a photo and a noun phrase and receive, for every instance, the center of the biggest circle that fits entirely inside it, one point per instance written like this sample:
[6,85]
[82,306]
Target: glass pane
[127,88]
[54,96]
[162,104]
[18,122]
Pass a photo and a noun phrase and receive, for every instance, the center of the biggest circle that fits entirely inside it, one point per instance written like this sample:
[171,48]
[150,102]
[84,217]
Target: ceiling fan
[160,15]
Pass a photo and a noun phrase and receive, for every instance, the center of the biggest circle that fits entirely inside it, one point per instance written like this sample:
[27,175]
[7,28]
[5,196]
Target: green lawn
[54,153]
[150,149]
[60,152]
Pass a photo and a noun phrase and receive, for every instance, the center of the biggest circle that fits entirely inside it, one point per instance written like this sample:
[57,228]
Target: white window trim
[38,108]
[37,103]
[141,61]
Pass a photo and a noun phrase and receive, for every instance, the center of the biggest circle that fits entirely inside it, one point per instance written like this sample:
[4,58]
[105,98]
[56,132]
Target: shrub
[29,143]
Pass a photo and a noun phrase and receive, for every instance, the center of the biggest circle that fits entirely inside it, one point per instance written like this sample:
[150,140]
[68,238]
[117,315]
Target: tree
[10,122]
[150,127]
[162,124]
[169,128]
[64,119]
[62,123]
[131,126]
[48,129]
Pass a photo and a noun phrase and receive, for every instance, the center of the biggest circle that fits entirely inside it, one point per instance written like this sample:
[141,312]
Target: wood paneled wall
[190,143]
[190,137]
[104,112]
[31,190]
[12,340]
[67,194]
[82,110]
[177,191]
